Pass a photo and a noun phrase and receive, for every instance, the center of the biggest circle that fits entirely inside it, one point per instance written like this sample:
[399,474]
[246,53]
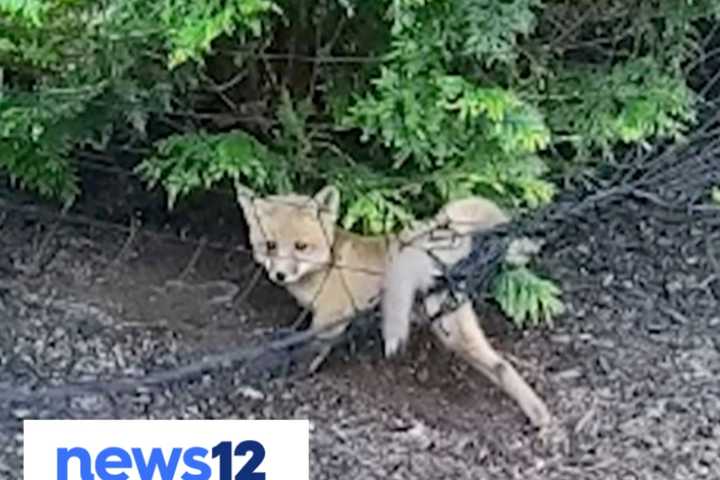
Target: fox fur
[336,274]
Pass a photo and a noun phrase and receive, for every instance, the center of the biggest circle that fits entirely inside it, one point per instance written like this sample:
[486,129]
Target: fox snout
[289,264]
[283,272]
[283,277]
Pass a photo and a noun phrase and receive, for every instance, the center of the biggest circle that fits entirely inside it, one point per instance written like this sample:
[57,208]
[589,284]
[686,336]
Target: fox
[336,273]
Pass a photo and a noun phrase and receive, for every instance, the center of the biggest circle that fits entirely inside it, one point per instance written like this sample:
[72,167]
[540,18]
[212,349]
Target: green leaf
[185,163]
[527,298]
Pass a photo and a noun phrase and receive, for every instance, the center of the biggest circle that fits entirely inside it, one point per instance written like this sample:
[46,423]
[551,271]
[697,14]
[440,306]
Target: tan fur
[336,274]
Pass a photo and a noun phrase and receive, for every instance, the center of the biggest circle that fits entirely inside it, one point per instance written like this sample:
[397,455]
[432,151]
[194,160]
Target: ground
[630,370]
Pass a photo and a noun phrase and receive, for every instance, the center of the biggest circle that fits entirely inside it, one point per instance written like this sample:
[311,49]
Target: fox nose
[280,277]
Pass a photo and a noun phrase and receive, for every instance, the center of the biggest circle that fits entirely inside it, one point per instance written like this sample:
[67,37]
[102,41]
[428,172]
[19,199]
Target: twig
[37,258]
[711,254]
[257,274]
[655,199]
[221,87]
[327,59]
[193,260]
[132,234]
[585,419]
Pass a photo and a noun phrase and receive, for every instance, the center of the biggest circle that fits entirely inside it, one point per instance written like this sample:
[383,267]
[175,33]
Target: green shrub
[195,161]
[72,71]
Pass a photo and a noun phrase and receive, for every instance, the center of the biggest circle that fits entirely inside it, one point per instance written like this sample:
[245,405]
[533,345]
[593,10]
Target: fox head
[291,235]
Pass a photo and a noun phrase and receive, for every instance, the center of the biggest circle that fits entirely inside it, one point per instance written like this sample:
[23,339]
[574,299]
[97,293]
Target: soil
[630,370]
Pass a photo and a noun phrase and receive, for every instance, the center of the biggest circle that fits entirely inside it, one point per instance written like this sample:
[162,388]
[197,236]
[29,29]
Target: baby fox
[336,274]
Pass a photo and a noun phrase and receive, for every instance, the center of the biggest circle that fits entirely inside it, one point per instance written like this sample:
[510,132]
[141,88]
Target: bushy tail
[411,270]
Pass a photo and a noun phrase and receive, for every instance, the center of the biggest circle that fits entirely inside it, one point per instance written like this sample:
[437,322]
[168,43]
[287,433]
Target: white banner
[166,450]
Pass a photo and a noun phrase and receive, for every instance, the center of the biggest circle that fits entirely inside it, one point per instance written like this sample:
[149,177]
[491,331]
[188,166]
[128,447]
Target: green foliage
[633,102]
[452,135]
[375,210]
[438,118]
[71,72]
[476,138]
[526,298]
[468,98]
[485,30]
[25,11]
[190,26]
[190,162]
[33,143]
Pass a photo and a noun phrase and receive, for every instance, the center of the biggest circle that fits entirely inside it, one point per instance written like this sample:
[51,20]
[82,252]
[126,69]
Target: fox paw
[393,347]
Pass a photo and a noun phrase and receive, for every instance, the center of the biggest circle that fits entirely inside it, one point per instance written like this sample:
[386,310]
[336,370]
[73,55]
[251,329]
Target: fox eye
[271,246]
[300,246]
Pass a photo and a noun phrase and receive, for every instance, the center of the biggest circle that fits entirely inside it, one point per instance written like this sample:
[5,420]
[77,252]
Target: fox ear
[328,200]
[245,196]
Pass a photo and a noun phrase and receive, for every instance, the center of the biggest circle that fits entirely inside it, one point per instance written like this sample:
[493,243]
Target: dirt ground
[630,370]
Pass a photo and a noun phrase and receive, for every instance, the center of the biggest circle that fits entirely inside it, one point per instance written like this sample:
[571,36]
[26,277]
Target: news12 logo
[166,450]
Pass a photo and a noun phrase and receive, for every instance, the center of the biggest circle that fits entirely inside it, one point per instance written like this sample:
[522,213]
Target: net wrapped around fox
[664,179]
[472,276]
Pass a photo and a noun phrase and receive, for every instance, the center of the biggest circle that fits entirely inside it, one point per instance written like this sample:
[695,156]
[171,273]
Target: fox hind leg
[460,332]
